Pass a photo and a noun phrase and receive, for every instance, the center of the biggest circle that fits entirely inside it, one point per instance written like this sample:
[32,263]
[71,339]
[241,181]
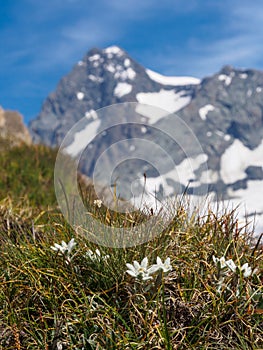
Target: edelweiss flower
[225,263]
[231,265]
[64,248]
[165,266]
[98,202]
[221,261]
[247,271]
[95,255]
[139,271]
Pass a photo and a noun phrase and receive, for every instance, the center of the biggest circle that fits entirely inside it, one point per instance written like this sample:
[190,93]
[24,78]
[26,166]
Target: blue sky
[41,40]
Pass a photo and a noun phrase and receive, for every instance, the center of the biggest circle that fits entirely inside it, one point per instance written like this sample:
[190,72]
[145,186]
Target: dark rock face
[254,172]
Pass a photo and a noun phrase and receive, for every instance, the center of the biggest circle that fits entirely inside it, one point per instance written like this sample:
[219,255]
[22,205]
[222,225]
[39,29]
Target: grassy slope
[27,171]
[49,301]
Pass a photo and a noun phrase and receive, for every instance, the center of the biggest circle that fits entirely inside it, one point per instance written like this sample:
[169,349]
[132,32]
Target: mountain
[101,78]
[215,146]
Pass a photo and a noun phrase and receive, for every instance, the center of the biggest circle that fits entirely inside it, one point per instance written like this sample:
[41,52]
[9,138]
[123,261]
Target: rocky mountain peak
[101,78]
[223,111]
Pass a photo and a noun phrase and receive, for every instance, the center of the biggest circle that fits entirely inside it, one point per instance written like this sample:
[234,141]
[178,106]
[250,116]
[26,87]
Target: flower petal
[159,261]
[144,262]
[136,265]
[231,265]
[97,252]
[223,262]
[131,273]
[146,277]
[130,267]
[154,268]
[167,261]
[215,260]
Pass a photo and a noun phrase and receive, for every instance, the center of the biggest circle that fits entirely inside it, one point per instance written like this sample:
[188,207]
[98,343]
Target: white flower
[221,261]
[225,263]
[247,271]
[64,248]
[165,266]
[231,265]
[59,345]
[98,202]
[139,270]
[95,255]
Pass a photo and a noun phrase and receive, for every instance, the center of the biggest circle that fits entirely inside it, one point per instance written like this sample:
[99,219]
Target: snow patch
[186,168]
[95,78]
[91,114]
[174,81]
[243,75]
[249,202]
[110,67]
[122,89]
[236,159]
[80,63]
[226,78]
[168,100]
[209,176]
[125,74]
[80,95]
[258,89]
[182,173]
[127,62]
[205,110]
[120,72]
[115,50]
[83,138]
[94,57]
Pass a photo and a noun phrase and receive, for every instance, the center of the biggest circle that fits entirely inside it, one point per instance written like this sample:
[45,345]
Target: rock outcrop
[12,128]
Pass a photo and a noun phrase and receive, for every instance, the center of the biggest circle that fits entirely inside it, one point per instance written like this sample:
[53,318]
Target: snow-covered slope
[175,81]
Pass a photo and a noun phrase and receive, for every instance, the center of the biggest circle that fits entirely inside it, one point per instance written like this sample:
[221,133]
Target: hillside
[27,171]
[196,284]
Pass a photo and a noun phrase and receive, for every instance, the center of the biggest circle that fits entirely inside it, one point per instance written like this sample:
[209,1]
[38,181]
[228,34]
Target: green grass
[54,301]
[27,171]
